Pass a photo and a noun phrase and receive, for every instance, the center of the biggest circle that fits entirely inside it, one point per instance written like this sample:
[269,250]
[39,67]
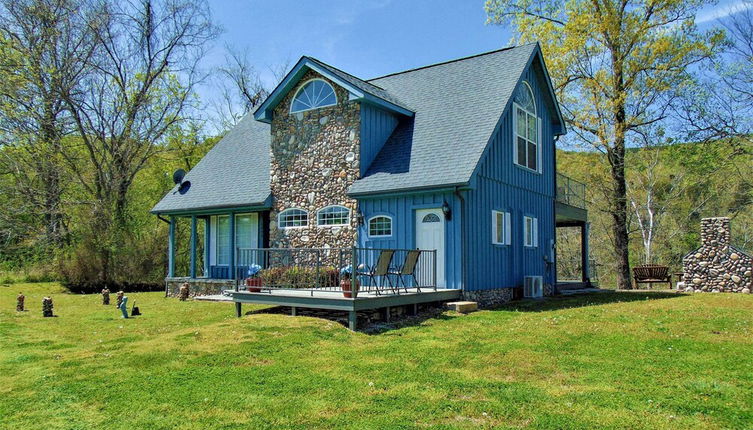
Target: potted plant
[254,281]
[348,286]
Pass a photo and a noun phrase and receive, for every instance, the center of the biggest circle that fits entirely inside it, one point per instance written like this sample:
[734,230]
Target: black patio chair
[408,268]
[380,270]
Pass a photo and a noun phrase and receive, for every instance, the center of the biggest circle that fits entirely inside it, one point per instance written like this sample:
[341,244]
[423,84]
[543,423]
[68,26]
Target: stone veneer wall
[315,158]
[198,286]
[717,266]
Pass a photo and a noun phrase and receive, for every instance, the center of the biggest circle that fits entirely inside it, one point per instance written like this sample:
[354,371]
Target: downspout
[463,250]
[555,290]
[163,219]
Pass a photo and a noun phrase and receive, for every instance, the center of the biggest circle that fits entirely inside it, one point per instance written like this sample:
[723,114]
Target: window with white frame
[223,239]
[314,94]
[291,218]
[530,231]
[526,129]
[380,226]
[333,216]
[501,228]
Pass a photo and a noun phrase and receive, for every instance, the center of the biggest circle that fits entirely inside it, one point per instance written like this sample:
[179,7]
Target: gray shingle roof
[364,86]
[234,173]
[457,106]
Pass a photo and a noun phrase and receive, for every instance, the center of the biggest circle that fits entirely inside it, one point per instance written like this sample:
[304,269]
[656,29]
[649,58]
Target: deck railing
[570,191]
[319,269]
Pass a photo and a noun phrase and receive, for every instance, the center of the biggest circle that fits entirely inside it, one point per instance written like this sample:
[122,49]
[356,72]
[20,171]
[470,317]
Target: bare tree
[144,73]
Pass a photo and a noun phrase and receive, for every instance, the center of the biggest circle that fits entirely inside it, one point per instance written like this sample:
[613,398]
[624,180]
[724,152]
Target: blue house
[455,158]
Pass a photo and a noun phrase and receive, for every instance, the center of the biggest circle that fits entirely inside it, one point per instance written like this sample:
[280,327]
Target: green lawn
[610,360]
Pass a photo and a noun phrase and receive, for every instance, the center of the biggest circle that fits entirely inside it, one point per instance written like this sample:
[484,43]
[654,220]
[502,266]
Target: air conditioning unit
[533,286]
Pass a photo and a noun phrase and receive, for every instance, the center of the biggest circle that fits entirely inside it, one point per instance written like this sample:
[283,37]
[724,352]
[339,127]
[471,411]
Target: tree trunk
[619,211]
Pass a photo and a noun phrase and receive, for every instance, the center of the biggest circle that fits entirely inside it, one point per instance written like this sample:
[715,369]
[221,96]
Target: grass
[610,360]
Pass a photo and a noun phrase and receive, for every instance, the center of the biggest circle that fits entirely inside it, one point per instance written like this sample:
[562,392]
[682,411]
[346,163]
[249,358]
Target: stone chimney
[717,266]
[715,232]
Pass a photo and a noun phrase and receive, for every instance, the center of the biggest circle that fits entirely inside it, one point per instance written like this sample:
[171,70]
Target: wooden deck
[334,300]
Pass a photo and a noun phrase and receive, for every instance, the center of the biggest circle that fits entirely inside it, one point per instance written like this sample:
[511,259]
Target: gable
[458,105]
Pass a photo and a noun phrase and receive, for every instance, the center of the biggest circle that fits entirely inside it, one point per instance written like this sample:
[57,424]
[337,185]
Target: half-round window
[333,215]
[524,98]
[430,218]
[380,226]
[290,218]
[314,94]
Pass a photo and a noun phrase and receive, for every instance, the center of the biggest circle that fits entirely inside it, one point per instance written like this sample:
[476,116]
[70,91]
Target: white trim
[505,227]
[533,98]
[290,109]
[368,226]
[347,222]
[534,233]
[280,226]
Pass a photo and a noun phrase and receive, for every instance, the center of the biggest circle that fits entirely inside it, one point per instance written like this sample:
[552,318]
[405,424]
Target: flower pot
[345,284]
[253,285]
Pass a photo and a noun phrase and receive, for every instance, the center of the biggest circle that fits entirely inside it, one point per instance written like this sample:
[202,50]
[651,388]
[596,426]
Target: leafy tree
[615,66]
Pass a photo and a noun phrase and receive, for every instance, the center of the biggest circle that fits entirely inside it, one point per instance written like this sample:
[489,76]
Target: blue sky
[367,38]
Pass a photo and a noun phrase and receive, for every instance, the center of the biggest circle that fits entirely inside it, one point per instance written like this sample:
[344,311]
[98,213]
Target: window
[244,231]
[313,94]
[431,218]
[530,231]
[500,228]
[223,239]
[290,218]
[526,129]
[380,226]
[332,216]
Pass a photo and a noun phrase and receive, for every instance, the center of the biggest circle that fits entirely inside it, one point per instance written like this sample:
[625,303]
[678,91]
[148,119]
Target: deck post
[238,309]
[293,311]
[231,252]
[207,239]
[192,271]
[352,319]
[171,249]
[584,230]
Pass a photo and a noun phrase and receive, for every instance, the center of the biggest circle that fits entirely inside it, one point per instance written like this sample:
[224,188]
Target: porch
[574,267]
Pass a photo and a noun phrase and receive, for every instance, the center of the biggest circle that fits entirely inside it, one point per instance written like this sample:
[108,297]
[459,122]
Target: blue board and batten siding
[501,185]
[376,126]
[402,210]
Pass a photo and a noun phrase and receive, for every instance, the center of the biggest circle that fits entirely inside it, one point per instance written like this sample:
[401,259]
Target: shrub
[300,277]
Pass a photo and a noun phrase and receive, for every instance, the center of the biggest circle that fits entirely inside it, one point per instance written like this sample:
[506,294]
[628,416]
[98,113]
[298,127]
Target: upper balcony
[571,201]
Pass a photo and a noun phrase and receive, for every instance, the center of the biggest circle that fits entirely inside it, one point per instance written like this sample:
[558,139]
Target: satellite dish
[178,176]
[184,186]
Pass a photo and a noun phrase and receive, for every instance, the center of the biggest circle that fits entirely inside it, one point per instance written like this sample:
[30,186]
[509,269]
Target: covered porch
[575,269]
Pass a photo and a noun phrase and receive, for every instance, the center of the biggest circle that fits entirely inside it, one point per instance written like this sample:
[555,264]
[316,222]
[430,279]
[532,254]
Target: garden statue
[106,296]
[184,290]
[123,306]
[20,302]
[47,307]
[120,298]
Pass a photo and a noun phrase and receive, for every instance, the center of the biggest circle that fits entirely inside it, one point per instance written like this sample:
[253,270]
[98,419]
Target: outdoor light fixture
[447,211]
[359,217]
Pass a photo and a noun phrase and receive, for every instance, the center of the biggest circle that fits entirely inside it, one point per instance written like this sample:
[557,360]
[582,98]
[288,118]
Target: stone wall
[315,158]
[489,298]
[717,266]
[198,286]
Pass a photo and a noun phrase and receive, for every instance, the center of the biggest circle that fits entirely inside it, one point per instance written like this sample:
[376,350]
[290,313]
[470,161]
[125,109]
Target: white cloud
[720,12]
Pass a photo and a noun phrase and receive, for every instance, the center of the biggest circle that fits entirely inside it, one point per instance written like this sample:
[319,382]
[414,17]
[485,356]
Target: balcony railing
[319,269]
[570,191]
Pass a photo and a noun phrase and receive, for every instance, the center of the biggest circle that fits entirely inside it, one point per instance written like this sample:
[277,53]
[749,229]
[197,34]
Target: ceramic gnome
[47,307]
[120,298]
[123,306]
[105,296]
[20,302]
[184,291]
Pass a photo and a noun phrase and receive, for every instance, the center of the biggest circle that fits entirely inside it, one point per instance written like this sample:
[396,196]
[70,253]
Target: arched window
[314,94]
[431,218]
[333,215]
[290,218]
[526,128]
[380,226]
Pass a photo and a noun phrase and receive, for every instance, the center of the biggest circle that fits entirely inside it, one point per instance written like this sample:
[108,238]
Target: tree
[45,48]
[143,75]
[615,66]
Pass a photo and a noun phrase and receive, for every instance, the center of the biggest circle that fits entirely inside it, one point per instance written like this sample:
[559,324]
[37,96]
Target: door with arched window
[430,234]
